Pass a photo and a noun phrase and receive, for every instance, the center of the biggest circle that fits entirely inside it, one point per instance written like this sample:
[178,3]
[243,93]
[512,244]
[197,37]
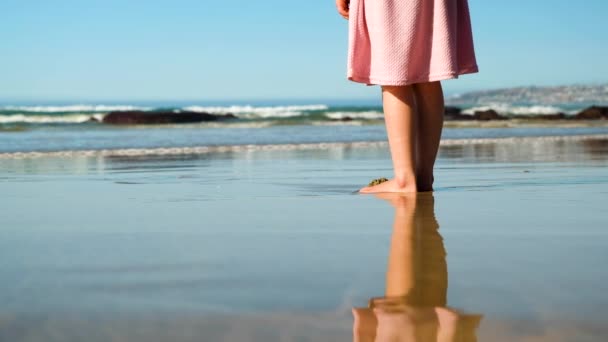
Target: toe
[365,190]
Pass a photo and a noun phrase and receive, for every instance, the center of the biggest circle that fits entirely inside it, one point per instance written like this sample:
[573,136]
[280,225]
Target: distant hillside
[589,94]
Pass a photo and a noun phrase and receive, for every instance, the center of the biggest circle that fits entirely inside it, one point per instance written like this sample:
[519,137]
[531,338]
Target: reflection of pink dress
[401,42]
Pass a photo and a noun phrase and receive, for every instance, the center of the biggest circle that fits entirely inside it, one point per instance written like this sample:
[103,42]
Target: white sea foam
[369,115]
[78,113]
[504,108]
[252,112]
[281,147]
[72,108]
[45,119]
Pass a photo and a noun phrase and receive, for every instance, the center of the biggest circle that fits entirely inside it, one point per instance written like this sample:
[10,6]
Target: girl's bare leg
[430,105]
[400,118]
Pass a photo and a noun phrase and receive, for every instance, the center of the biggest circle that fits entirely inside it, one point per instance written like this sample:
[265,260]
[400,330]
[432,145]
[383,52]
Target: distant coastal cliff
[590,113]
[589,94]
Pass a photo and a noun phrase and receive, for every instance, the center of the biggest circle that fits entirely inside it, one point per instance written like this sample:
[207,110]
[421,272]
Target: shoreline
[196,150]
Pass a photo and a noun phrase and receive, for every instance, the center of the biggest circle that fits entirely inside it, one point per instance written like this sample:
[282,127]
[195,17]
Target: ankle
[404,180]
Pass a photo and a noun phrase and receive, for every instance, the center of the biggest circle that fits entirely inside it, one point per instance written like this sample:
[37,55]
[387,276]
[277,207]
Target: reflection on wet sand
[539,149]
[414,307]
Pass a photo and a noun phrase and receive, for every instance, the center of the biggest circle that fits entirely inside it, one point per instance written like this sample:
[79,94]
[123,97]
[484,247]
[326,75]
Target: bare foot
[389,186]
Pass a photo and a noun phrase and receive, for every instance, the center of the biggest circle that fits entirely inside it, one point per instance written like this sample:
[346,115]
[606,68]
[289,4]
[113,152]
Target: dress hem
[425,79]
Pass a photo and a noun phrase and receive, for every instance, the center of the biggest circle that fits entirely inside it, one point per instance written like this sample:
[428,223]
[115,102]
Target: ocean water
[75,127]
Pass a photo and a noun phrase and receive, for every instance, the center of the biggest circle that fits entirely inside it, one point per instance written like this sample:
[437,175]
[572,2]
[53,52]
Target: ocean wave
[71,108]
[168,151]
[251,112]
[74,114]
[47,119]
[369,115]
[505,109]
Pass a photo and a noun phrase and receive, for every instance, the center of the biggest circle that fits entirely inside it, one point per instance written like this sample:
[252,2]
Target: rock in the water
[455,113]
[344,119]
[553,116]
[487,115]
[450,110]
[137,117]
[593,112]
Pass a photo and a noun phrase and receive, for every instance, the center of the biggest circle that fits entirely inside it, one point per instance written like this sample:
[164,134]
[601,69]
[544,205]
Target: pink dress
[401,42]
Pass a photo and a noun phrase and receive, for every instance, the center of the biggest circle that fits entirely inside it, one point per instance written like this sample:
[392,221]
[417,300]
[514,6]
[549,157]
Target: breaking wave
[48,119]
[313,114]
[85,113]
[368,115]
[251,112]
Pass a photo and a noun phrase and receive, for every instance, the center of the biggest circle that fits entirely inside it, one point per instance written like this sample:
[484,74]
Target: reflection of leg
[432,269]
[400,274]
[417,269]
[430,104]
[399,115]
[416,282]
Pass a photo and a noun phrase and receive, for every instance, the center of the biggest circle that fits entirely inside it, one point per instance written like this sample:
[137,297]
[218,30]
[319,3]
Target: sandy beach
[271,244]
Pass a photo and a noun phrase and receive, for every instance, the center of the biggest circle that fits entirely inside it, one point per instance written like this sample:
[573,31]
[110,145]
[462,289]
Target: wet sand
[272,245]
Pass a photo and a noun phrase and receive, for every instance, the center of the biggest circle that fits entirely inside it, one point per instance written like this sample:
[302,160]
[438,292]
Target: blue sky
[213,50]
